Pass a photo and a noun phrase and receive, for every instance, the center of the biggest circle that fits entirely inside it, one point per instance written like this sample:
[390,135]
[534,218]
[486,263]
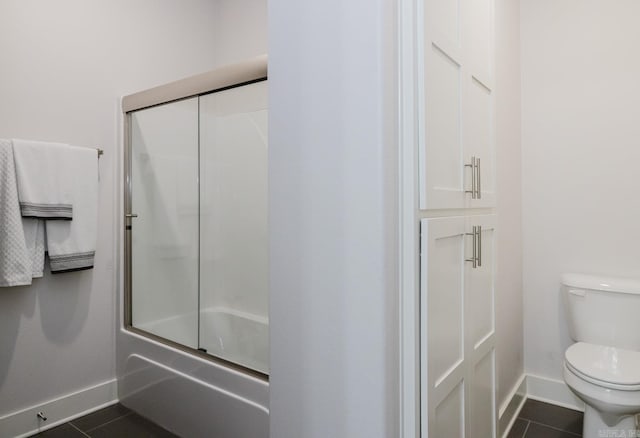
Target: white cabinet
[457,333]
[456,109]
[455,118]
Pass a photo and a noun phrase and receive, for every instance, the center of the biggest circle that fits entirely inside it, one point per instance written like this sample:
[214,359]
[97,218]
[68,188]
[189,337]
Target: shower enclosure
[195,302]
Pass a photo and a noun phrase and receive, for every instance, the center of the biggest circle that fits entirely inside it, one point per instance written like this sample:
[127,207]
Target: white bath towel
[34,238]
[71,244]
[42,184]
[15,263]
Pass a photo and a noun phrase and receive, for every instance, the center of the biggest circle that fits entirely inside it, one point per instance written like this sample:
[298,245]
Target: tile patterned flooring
[536,420]
[542,420]
[113,421]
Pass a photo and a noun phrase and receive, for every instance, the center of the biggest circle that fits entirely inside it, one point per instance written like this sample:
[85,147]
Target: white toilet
[603,367]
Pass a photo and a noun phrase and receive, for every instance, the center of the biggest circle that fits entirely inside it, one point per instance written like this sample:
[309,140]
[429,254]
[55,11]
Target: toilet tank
[603,310]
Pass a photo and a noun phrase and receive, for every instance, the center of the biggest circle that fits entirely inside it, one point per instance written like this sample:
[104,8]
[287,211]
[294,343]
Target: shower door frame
[223,78]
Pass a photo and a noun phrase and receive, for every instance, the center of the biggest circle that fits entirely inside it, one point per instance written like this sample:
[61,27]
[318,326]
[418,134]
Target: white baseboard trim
[510,408]
[552,391]
[24,422]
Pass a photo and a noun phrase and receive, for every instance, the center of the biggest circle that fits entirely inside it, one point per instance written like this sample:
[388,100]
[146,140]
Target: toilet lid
[605,364]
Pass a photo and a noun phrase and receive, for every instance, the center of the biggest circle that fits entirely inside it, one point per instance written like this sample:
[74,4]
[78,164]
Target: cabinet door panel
[481,397]
[443,17]
[456,111]
[480,288]
[479,38]
[480,139]
[442,327]
[449,414]
[442,135]
[440,127]
[480,331]
[457,337]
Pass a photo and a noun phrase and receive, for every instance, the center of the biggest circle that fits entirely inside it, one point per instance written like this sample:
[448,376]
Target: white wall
[580,93]
[509,312]
[240,28]
[332,202]
[64,66]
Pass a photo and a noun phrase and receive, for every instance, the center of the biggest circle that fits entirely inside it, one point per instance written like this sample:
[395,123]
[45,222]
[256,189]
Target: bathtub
[239,337]
[181,389]
[190,395]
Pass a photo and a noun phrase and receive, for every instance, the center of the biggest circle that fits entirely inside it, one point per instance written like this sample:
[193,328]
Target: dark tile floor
[542,420]
[536,420]
[114,421]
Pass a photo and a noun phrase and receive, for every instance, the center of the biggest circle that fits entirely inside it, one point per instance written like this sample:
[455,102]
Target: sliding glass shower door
[199,246]
[233,225]
[165,235]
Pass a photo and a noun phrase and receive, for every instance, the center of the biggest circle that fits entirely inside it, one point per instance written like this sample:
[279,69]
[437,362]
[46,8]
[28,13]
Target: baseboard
[24,423]
[511,407]
[552,391]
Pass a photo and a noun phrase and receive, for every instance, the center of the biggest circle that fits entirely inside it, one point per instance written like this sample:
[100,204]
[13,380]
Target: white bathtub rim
[239,313]
[214,309]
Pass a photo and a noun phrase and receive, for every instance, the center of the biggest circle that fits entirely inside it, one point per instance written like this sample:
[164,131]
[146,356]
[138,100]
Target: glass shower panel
[233,224]
[164,195]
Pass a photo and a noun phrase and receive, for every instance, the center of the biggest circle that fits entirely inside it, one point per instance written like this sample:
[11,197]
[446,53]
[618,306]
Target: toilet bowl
[603,367]
[607,379]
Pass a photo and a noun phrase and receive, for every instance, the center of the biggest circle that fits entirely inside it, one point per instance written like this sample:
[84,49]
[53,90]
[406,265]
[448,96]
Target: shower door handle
[127,221]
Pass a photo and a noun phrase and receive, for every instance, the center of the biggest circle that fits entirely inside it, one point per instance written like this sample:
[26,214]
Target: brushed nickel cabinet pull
[476,257]
[474,178]
[478,189]
[474,252]
[479,231]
